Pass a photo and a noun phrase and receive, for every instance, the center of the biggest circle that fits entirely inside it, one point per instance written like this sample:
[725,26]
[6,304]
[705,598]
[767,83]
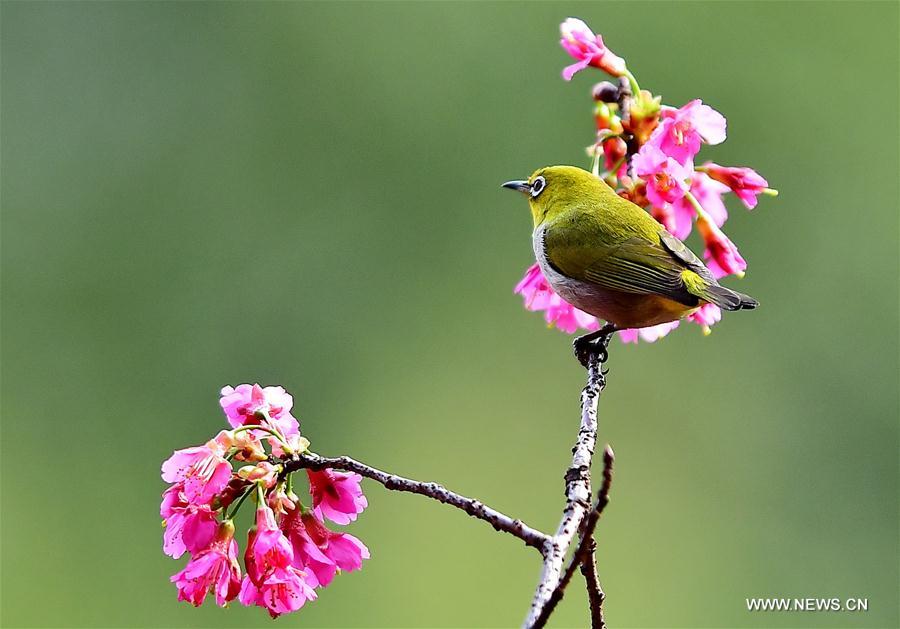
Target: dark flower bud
[605,92]
[236,487]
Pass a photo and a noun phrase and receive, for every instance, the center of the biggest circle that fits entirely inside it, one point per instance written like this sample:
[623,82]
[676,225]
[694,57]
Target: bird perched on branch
[608,257]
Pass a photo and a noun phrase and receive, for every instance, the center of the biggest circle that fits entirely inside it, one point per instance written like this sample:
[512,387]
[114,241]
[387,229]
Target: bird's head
[554,189]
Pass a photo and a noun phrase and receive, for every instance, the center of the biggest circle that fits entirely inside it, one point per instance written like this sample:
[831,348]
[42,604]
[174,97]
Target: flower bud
[614,150]
[602,115]
[605,92]
[281,501]
[222,441]
[249,447]
[722,256]
[588,49]
[297,444]
[606,118]
[746,183]
[642,116]
[225,532]
[236,487]
[263,472]
[636,193]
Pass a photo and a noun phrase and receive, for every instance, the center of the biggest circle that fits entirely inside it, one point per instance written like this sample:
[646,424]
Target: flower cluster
[648,151]
[290,552]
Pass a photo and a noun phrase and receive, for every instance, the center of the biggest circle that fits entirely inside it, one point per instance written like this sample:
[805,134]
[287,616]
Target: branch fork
[579,516]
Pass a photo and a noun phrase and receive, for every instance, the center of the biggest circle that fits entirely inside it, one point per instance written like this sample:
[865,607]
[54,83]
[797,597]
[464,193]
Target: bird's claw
[594,344]
[585,346]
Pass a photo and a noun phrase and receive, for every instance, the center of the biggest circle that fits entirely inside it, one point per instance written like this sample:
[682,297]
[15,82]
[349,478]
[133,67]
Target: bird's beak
[518,184]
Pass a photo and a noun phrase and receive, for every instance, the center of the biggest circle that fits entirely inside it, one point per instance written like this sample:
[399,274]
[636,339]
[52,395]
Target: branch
[594,589]
[475,508]
[584,555]
[578,516]
[578,495]
[596,596]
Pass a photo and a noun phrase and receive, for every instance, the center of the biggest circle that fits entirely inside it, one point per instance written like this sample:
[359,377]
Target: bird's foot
[585,348]
[594,343]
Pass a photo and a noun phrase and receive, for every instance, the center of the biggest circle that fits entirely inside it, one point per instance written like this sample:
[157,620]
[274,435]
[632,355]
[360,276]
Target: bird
[608,257]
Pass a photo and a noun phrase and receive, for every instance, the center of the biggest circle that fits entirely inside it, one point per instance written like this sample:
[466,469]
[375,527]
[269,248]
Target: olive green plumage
[610,258]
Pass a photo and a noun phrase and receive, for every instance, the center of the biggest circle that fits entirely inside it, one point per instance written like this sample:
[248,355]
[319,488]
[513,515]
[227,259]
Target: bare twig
[594,589]
[532,537]
[578,495]
[596,596]
[584,553]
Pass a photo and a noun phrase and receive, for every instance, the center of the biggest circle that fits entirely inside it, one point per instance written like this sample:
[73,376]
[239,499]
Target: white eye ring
[537,186]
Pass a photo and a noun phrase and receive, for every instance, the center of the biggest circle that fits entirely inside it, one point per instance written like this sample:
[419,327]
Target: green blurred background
[307,194]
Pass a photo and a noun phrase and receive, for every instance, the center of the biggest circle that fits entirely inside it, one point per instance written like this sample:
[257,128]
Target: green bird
[608,257]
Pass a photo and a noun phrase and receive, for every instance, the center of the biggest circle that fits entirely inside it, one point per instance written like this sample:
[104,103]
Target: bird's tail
[728,299]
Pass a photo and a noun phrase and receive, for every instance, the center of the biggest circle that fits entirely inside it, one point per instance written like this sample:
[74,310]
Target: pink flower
[267,547]
[746,183]
[650,334]
[272,581]
[539,295]
[580,42]
[203,469]
[722,256]
[320,550]
[214,568]
[189,526]
[282,591]
[336,495]
[708,193]
[247,405]
[307,555]
[707,315]
[346,551]
[289,428]
[681,131]
[667,179]
[568,318]
[535,289]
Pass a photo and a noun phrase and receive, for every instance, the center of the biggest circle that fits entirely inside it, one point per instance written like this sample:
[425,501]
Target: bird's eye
[537,186]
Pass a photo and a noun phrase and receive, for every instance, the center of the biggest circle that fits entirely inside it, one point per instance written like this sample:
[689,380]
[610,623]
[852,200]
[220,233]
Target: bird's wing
[708,288]
[687,257]
[634,265]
